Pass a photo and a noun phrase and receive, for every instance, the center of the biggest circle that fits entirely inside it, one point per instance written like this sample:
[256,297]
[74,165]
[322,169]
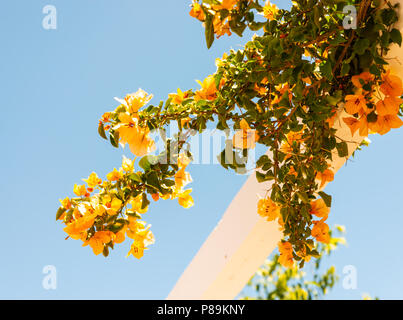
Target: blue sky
[55,85]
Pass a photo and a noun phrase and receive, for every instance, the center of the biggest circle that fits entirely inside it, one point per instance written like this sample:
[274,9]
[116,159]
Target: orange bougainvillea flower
[182,178]
[221,27]
[326,176]
[319,209]
[287,146]
[283,89]
[120,236]
[98,241]
[208,89]
[142,237]
[388,106]
[135,136]
[391,85]
[197,12]
[105,117]
[225,4]
[355,103]
[185,199]
[355,124]
[134,101]
[177,98]
[77,229]
[80,190]
[66,204]
[245,138]
[269,10]
[93,180]
[365,77]
[267,208]
[286,259]
[320,231]
[260,90]
[385,123]
[115,175]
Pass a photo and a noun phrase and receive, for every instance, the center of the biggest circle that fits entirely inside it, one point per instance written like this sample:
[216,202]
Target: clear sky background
[55,84]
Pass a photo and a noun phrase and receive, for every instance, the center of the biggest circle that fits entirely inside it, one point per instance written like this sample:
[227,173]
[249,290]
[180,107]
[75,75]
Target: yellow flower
[182,178]
[66,204]
[93,180]
[326,176]
[120,236]
[197,12]
[99,240]
[208,89]
[385,123]
[80,190]
[135,136]
[127,164]
[392,85]
[355,104]
[221,27]
[137,250]
[245,138]
[283,89]
[177,98]
[320,231]
[77,229]
[220,62]
[134,101]
[287,146]
[366,77]
[286,259]
[142,237]
[115,175]
[269,10]
[225,4]
[185,199]
[268,209]
[137,203]
[319,209]
[114,206]
[388,106]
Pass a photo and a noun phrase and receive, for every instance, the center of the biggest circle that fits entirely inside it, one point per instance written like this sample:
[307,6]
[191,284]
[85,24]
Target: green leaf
[105,252]
[146,162]
[396,37]
[303,196]
[145,202]
[361,45]
[260,177]
[209,31]
[342,149]
[326,198]
[326,70]
[153,181]
[135,177]
[345,69]
[101,131]
[59,213]
[113,141]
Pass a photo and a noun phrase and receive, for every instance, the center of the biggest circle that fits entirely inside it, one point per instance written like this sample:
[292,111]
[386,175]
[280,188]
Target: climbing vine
[301,76]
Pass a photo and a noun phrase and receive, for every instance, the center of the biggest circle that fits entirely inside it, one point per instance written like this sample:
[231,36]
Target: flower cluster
[375,105]
[224,16]
[285,90]
[104,213]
